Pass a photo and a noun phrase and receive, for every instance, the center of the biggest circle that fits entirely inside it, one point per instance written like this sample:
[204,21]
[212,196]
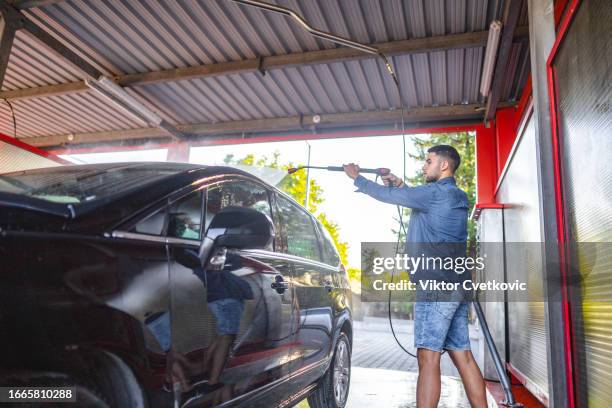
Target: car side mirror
[232,228]
[240,228]
[189,258]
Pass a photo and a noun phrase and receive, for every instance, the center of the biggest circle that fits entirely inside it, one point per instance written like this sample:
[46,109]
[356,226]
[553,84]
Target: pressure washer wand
[381,171]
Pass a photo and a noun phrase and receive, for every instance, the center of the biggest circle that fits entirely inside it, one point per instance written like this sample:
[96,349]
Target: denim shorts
[159,324]
[441,325]
[228,313]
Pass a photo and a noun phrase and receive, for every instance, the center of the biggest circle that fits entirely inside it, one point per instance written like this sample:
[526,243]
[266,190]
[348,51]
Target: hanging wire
[366,49]
[399,211]
[400,214]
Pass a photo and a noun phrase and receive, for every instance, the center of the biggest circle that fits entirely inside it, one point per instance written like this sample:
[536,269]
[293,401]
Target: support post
[506,132]
[541,40]
[307,200]
[178,152]
[486,165]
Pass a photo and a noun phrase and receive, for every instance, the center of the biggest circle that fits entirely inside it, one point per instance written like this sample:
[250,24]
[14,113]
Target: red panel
[527,396]
[486,165]
[560,6]
[507,125]
[31,149]
[521,394]
[505,130]
[481,206]
[524,101]
[561,227]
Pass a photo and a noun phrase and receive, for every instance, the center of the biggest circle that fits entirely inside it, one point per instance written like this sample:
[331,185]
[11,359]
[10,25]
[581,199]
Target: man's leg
[470,375]
[428,384]
[220,357]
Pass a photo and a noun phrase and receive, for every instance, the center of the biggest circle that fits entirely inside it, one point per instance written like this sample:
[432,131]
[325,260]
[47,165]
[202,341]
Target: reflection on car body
[188,285]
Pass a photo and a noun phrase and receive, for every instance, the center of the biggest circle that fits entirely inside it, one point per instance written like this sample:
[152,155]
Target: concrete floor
[384,376]
[382,388]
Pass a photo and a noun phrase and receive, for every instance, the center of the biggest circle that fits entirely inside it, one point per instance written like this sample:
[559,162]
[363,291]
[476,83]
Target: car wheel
[115,381]
[332,391]
[101,380]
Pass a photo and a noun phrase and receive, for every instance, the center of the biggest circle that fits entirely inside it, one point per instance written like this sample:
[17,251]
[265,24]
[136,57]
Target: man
[439,217]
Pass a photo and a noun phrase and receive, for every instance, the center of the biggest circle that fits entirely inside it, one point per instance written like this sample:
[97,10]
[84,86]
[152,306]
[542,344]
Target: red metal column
[178,152]
[505,132]
[486,165]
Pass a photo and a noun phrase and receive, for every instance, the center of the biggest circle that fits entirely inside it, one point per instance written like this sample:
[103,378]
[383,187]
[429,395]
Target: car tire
[114,381]
[333,388]
[100,379]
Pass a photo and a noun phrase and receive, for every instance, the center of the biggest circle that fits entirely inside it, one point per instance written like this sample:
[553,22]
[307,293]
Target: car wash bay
[528,78]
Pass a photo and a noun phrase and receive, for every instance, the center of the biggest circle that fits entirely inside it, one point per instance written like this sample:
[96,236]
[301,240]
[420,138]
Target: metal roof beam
[19,21]
[53,43]
[511,15]
[291,123]
[28,4]
[8,25]
[412,46]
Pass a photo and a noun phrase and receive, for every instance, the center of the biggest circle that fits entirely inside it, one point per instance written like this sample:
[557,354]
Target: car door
[240,345]
[312,282]
[142,264]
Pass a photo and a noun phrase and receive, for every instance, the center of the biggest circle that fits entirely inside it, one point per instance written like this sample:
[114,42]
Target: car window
[330,254]
[298,229]
[185,217]
[153,224]
[241,193]
[84,183]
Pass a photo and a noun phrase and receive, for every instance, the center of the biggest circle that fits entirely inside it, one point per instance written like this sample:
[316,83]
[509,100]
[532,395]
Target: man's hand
[351,170]
[392,179]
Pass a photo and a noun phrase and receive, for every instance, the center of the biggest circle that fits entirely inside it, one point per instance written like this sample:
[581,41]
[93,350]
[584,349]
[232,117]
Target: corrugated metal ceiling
[127,37]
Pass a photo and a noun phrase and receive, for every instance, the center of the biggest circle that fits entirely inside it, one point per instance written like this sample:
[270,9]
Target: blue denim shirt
[439,215]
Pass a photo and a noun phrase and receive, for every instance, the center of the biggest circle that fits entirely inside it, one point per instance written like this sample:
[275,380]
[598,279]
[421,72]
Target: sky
[359,217]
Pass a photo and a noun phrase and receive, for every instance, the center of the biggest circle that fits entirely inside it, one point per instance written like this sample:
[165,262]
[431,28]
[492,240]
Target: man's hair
[449,153]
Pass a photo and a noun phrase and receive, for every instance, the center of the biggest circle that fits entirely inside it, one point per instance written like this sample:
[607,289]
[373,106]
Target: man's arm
[412,197]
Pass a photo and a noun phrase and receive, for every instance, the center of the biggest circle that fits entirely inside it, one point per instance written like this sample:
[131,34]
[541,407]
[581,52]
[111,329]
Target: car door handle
[279,284]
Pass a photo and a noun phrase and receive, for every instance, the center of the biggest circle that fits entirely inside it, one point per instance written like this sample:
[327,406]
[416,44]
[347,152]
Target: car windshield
[78,184]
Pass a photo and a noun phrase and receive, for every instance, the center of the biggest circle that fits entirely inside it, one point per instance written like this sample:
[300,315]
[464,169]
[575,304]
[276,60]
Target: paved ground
[380,388]
[384,376]
[375,347]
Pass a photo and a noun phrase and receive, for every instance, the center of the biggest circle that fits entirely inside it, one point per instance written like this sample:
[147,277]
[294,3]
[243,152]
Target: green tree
[465,176]
[367,262]
[295,186]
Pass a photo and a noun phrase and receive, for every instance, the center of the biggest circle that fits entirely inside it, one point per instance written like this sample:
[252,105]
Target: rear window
[78,184]
[330,254]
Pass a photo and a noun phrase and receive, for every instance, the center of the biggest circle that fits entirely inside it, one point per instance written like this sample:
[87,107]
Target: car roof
[101,214]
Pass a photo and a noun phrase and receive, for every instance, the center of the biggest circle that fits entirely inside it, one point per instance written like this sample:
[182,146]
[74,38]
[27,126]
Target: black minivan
[165,284]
